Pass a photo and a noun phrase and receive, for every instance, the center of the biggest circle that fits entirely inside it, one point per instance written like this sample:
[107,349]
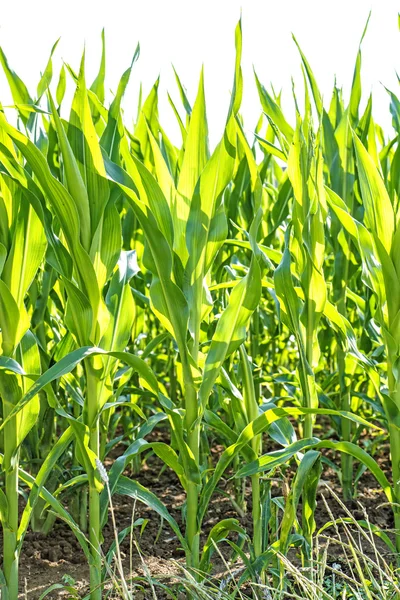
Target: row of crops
[246,297]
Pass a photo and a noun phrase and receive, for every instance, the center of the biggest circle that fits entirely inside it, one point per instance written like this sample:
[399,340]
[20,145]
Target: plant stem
[9,392]
[311,402]
[256,512]
[308,388]
[251,405]
[83,500]
[92,389]
[395,456]
[345,404]
[239,486]
[345,398]
[307,363]
[394,437]
[193,437]
[256,500]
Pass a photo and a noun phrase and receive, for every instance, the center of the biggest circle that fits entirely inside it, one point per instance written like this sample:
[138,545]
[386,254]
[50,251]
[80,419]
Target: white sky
[189,33]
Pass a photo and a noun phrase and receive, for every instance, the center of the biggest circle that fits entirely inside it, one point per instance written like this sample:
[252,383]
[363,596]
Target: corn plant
[376,241]
[91,229]
[184,226]
[149,286]
[339,158]
[23,245]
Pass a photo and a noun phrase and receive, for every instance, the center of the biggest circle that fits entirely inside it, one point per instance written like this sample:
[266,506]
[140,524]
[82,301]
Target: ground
[46,559]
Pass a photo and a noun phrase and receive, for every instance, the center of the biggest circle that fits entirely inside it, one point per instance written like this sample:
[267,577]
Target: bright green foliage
[240,296]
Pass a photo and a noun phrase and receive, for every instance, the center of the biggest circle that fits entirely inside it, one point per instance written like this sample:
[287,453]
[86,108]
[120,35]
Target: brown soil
[46,559]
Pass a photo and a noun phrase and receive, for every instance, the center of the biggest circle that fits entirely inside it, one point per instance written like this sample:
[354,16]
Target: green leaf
[263,422]
[61,86]
[231,328]
[264,462]
[68,363]
[168,301]
[98,84]
[114,130]
[26,253]
[299,486]
[73,178]
[46,78]
[59,510]
[18,89]
[65,209]
[379,218]
[273,110]
[196,151]
[86,148]
[217,534]
[133,489]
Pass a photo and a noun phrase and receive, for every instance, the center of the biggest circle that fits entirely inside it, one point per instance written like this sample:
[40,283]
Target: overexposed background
[188,33]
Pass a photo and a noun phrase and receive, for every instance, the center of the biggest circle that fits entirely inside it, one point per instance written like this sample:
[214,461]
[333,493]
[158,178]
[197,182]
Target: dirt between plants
[47,559]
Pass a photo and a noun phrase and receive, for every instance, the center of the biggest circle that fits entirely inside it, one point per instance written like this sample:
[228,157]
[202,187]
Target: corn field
[233,313]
